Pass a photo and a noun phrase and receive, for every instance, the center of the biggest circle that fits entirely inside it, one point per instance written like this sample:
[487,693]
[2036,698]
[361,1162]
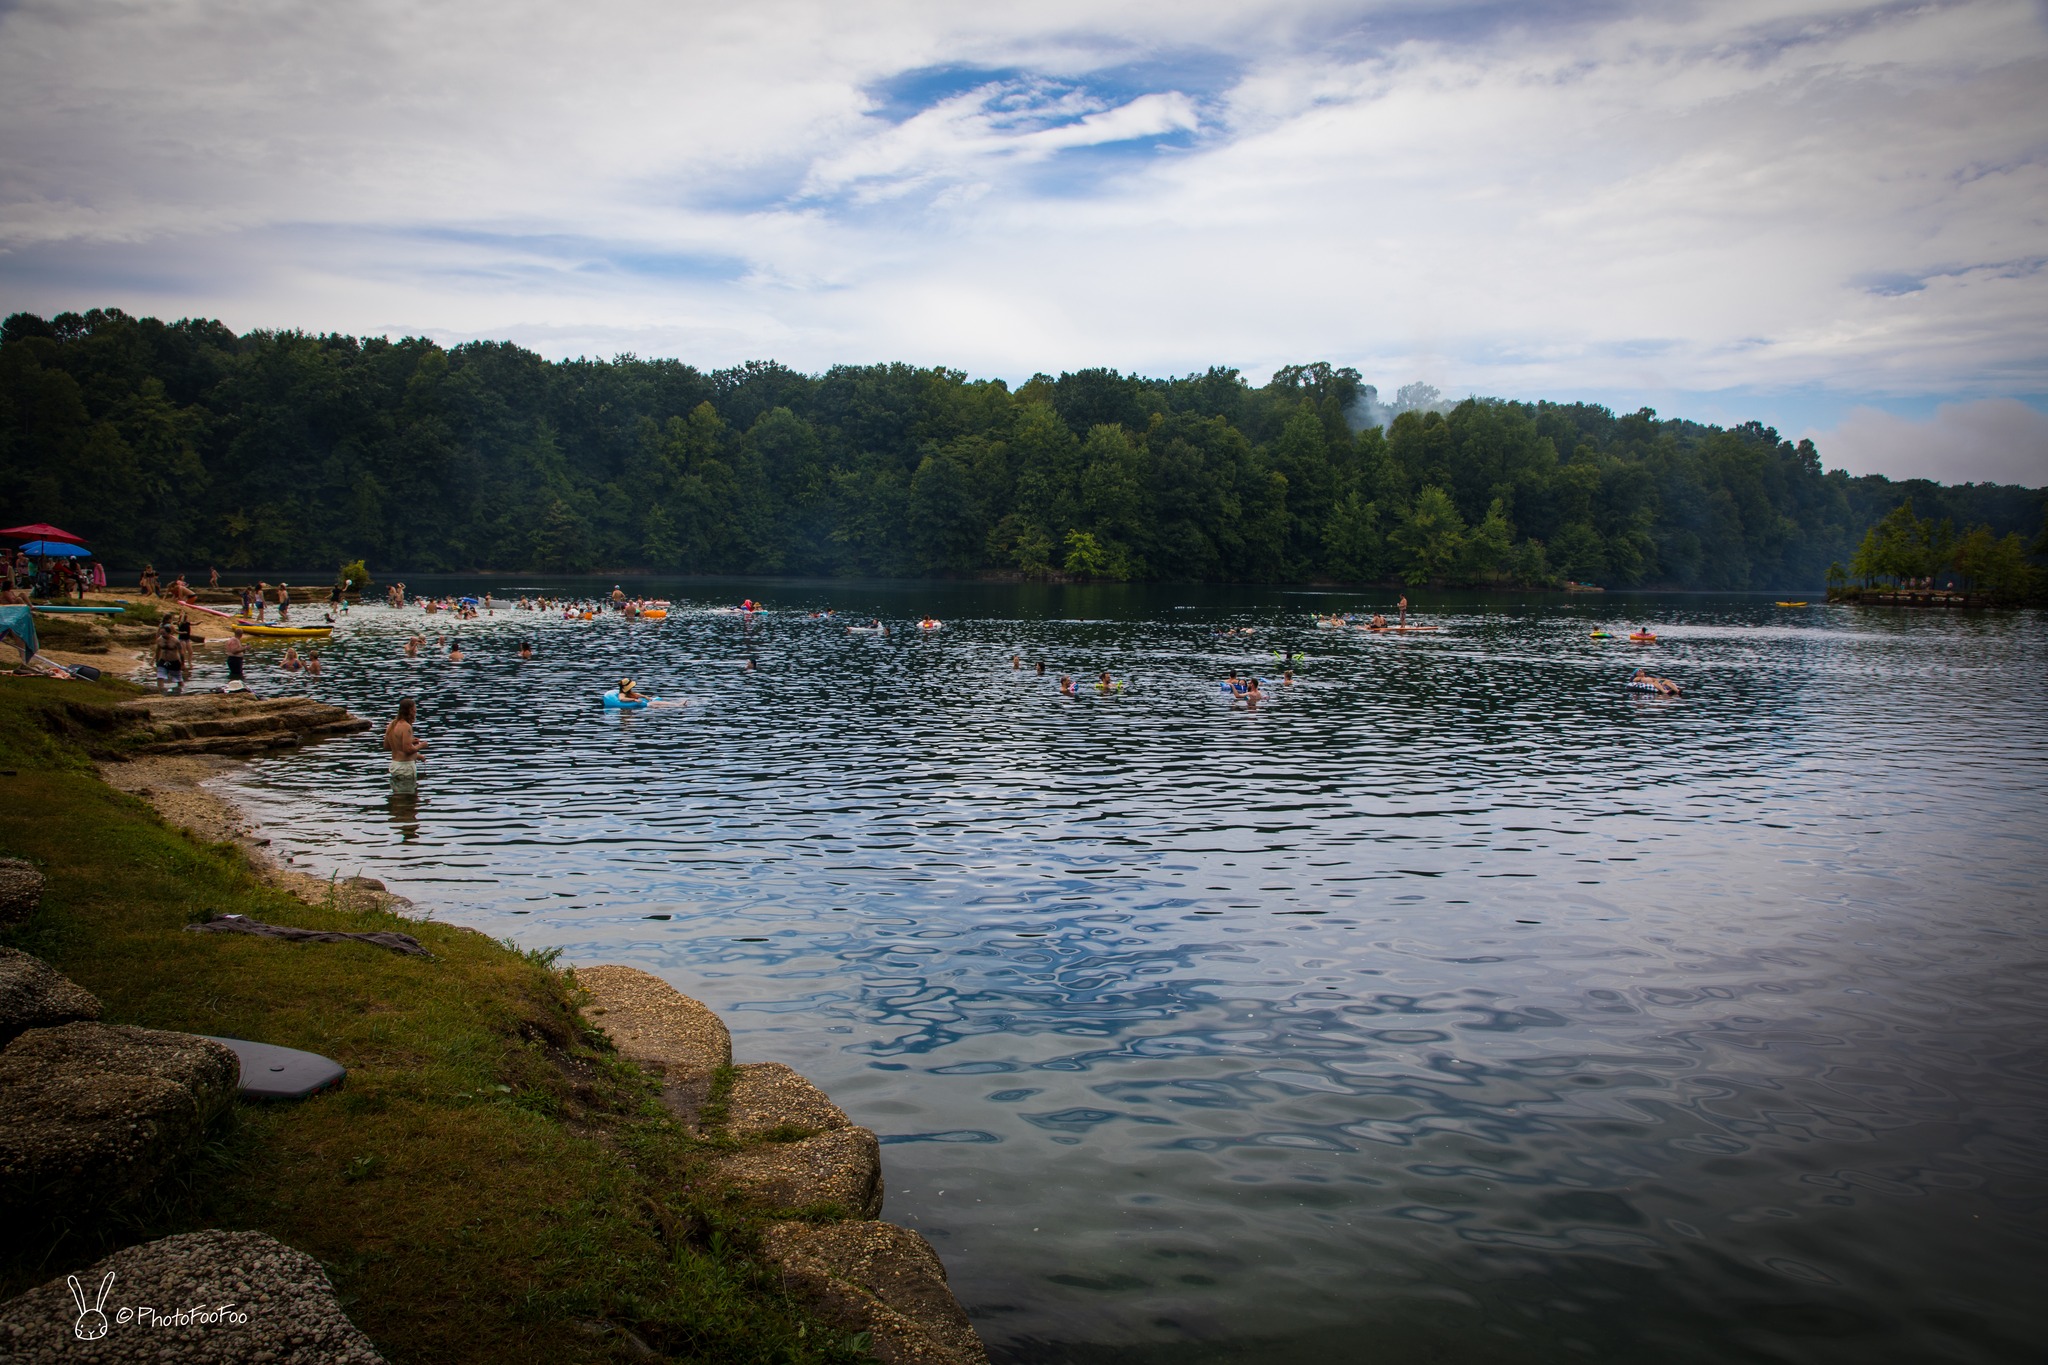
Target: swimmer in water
[1066,686]
[1287,678]
[291,662]
[413,645]
[1664,687]
[1041,668]
[1015,663]
[1252,695]
[525,650]
[1106,684]
[312,661]
[455,652]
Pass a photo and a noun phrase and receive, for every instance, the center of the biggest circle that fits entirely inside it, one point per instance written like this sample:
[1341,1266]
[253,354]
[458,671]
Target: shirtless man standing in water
[405,749]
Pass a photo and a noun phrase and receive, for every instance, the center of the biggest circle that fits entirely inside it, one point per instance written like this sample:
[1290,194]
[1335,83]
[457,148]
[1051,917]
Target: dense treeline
[1906,549]
[185,444]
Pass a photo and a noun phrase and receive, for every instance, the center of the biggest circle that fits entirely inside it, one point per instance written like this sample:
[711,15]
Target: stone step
[843,1167]
[879,1279]
[267,1302]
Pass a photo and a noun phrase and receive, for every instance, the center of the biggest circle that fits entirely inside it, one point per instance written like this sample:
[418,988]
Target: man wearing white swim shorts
[405,748]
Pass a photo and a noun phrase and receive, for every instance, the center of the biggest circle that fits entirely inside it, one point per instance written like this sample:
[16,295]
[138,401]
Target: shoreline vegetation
[188,446]
[521,1165]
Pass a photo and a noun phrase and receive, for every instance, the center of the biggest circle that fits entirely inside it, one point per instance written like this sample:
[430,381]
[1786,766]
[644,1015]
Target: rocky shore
[92,1113]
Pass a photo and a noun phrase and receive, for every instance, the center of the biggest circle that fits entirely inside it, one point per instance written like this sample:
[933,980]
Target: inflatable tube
[1642,639]
[615,702]
[1653,688]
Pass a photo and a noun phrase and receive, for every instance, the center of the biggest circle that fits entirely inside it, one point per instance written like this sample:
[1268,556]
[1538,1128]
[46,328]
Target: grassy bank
[491,1184]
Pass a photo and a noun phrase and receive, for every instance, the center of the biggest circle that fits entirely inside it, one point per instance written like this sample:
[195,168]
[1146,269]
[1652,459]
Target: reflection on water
[1454,1004]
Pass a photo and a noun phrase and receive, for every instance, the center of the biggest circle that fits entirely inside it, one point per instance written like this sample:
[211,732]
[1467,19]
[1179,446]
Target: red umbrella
[42,530]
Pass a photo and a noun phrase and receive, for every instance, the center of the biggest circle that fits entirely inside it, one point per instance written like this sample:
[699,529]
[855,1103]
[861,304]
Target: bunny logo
[92,1323]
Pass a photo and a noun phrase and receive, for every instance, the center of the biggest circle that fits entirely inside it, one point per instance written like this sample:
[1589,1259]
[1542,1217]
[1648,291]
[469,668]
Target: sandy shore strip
[184,790]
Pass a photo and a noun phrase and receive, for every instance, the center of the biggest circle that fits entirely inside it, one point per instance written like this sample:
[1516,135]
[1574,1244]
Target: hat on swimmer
[625,683]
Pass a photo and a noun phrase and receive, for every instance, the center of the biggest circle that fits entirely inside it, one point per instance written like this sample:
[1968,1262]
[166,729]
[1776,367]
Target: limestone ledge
[795,1151]
[236,723]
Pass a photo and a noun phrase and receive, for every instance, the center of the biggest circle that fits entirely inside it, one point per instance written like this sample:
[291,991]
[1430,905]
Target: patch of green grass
[491,1184]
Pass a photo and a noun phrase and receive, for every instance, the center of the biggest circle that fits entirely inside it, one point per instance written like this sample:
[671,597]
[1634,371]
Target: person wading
[405,748]
[170,659]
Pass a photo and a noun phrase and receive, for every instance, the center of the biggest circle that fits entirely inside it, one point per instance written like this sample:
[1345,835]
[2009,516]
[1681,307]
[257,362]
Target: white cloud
[1793,195]
[1992,440]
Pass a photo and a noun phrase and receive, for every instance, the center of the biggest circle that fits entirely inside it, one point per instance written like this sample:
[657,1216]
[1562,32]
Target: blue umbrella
[54,548]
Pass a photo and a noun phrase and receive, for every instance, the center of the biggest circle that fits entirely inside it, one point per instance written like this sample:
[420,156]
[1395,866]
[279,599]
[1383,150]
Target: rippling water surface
[1455,1004]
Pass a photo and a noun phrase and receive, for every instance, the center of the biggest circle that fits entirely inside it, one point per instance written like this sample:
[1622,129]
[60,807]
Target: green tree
[1430,537]
[1490,548]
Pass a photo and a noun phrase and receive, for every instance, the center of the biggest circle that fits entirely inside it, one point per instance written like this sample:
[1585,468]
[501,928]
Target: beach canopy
[41,530]
[17,621]
[55,547]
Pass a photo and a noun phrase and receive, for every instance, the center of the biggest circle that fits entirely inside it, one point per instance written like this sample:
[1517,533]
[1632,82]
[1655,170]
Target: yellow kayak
[1791,604]
[265,632]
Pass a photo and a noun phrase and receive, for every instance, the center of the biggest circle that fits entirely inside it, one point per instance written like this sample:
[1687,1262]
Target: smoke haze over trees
[187,445]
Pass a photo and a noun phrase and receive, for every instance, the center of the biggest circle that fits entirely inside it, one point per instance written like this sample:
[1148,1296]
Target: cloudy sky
[1829,216]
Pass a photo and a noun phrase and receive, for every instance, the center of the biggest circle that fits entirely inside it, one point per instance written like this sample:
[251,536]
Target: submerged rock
[33,994]
[91,1114]
[879,1279]
[842,1167]
[246,1297]
[21,890]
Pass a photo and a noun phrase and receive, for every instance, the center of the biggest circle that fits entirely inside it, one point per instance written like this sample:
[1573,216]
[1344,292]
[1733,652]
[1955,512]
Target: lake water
[1456,1004]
